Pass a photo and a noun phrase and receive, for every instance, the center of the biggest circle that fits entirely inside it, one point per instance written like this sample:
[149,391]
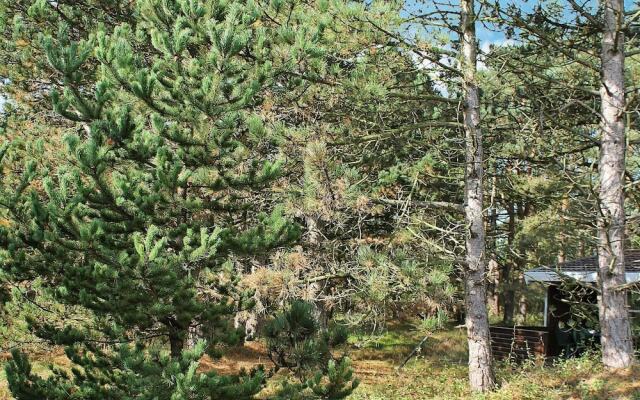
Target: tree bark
[176,343]
[493,265]
[315,289]
[617,345]
[522,298]
[194,334]
[508,295]
[481,377]
[494,284]
[247,319]
[564,209]
[508,270]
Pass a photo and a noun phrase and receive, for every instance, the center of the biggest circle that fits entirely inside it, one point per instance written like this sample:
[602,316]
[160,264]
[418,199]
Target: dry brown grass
[238,358]
[55,357]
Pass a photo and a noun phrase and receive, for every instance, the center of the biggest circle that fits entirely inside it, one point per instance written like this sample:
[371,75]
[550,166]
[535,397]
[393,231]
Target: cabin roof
[583,269]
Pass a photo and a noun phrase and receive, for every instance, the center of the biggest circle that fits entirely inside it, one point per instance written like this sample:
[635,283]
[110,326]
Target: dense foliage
[181,175]
[147,219]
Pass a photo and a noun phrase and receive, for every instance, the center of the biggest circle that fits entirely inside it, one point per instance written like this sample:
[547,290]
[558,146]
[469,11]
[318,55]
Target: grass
[439,371]
[4,390]
[39,366]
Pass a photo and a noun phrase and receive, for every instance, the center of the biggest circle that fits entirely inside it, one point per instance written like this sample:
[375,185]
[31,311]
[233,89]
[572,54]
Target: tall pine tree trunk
[617,346]
[481,376]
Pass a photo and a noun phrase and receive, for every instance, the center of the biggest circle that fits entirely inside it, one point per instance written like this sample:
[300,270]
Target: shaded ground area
[245,357]
[438,371]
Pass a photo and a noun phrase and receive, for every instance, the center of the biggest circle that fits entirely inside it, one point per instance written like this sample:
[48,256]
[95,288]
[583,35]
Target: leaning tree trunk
[617,346]
[481,376]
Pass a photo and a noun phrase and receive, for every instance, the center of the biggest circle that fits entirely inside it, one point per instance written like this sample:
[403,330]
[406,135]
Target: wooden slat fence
[518,343]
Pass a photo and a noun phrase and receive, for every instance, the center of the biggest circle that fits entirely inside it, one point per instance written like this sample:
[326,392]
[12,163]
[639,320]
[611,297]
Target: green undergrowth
[439,371]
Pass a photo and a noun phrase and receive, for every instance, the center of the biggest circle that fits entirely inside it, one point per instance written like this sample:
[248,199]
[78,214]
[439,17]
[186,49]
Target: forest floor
[439,371]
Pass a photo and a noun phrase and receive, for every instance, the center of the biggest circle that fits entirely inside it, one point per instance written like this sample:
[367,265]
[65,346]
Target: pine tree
[370,161]
[297,341]
[161,190]
[481,375]
[537,142]
[555,34]
[617,342]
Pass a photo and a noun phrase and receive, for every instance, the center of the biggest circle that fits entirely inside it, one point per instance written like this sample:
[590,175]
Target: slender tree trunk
[564,209]
[509,293]
[617,346]
[193,336]
[522,298]
[248,319]
[315,289]
[481,377]
[176,343]
[493,266]
[494,278]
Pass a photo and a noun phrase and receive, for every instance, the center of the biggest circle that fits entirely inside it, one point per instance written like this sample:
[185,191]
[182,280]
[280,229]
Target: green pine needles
[296,341]
[160,193]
